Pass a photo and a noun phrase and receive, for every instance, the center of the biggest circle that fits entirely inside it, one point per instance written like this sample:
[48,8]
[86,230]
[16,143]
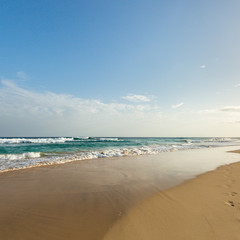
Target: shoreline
[22,153]
[84,199]
[127,155]
[72,161]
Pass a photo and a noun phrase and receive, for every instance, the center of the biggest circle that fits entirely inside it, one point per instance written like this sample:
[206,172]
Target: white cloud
[230,109]
[49,102]
[177,105]
[237,85]
[25,112]
[136,98]
[41,113]
[203,66]
[226,109]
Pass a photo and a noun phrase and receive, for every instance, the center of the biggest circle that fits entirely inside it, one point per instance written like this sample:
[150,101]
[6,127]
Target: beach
[119,120]
[207,207]
[138,197]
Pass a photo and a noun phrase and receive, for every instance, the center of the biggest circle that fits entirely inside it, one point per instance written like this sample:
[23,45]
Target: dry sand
[97,199]
[207,207]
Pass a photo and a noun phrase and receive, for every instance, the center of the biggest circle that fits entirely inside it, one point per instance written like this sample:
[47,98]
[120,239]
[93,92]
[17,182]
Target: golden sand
[205,208]
[100,199]
[78,200]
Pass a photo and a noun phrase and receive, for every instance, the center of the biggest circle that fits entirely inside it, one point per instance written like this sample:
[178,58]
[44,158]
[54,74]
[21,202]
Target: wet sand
[90,199]
[204,208]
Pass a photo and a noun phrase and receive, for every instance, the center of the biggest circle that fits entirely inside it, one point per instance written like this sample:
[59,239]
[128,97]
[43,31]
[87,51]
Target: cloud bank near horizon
[30,113]
[63,114]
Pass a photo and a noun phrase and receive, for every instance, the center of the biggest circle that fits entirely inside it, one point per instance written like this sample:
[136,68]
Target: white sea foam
[82,137]
[28,155]
[108,139]
[34,140]
[221,140]
[31,159]
[52,140]
[212,141]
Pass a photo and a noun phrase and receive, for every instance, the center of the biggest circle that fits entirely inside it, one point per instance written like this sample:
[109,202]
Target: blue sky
[120,68]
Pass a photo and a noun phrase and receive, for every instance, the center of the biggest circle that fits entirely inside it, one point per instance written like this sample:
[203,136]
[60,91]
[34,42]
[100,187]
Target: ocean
[25,152]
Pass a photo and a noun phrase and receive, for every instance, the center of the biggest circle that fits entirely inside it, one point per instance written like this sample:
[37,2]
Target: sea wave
[51,140]
[109,139]
[33,159]
[35,140]
[42,155]
[222,140]
[81,138]
[96,139]
[28,155]
[216,140]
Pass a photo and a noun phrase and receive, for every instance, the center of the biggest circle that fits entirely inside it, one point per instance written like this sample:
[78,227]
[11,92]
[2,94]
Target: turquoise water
[16,153]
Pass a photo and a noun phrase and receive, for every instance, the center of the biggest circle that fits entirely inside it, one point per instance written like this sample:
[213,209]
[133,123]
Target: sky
[120,68]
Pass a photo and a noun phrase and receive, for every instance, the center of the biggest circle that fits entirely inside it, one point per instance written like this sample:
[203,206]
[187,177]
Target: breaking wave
[34,140]
[81,148]
[54,140]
